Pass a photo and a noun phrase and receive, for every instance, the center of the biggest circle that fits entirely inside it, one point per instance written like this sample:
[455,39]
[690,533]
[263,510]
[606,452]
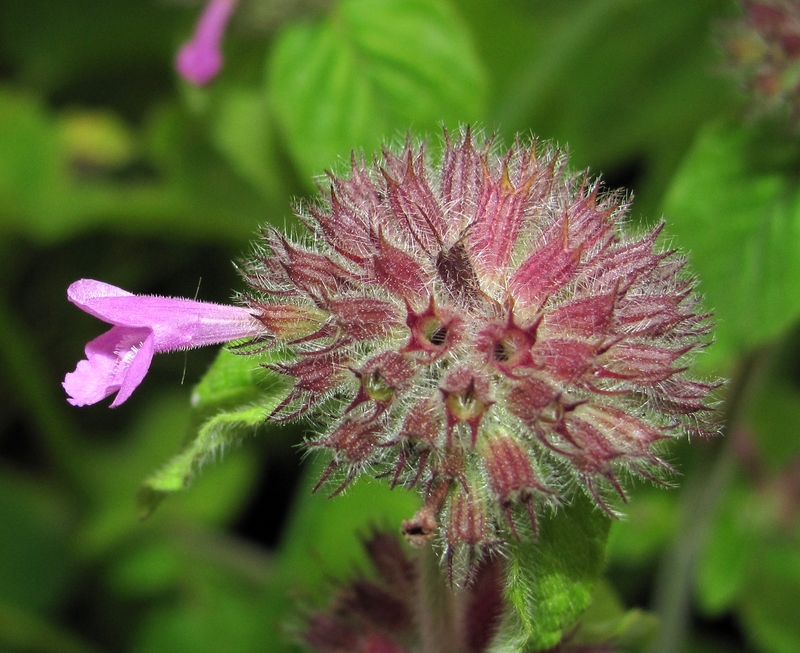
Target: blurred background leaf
[370,72]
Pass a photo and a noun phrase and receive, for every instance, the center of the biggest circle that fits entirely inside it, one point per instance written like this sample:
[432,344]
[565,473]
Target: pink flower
[478,324]
[118,360]
[200,59]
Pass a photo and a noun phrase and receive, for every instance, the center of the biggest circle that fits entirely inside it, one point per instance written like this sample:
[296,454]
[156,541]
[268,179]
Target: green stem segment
[701,498]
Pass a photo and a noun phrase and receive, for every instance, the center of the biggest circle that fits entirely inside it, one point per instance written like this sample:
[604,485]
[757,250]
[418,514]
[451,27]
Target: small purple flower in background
[118,360]
[200,59]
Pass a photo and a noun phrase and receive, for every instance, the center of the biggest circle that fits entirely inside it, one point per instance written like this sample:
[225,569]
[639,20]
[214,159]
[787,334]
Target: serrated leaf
[739,219]
[240,394]
[550,581]
[369,72]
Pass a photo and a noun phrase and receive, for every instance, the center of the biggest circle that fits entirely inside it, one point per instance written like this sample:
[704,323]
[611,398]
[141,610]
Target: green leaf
[607,622]
[235,379]
[770,603]
[739,219]
[369,72]
[625,84]
[243,393]
[723,568]
[550,581]
[241,131]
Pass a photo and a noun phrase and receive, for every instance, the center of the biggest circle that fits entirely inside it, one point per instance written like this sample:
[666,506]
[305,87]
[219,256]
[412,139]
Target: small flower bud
[467,531]
[511,477]
[467,398]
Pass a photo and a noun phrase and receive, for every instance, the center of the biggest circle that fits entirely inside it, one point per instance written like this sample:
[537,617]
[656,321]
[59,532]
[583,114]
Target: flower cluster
[477,325]
[764,49]
[474,324]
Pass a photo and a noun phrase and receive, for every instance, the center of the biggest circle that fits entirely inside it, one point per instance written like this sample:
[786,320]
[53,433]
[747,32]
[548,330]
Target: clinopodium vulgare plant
[476,324]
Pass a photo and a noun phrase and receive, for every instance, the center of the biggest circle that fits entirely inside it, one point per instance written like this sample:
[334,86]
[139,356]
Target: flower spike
[487,333]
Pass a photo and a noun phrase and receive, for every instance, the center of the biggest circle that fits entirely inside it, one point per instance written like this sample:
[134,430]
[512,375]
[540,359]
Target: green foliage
[550,581]
[750,563]
[369,72]
[738,215]
[235,397]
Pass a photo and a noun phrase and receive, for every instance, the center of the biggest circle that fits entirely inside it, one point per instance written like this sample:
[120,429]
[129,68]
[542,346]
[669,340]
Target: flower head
[479,326]
[200,59]
[764,51]
[118,360]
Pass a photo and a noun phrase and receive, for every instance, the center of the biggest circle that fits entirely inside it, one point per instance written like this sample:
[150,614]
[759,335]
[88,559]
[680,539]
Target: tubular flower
[480,327]
[118,360]
[200,59]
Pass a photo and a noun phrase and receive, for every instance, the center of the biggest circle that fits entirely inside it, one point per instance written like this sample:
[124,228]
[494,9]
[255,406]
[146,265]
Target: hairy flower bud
[477,324]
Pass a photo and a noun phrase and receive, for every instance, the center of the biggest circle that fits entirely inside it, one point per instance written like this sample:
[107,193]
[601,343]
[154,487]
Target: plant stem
[701,498]
[436,612]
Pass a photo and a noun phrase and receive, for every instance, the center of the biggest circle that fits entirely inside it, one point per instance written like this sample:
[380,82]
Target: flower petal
[133,366]
[200,59]
[115,361]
